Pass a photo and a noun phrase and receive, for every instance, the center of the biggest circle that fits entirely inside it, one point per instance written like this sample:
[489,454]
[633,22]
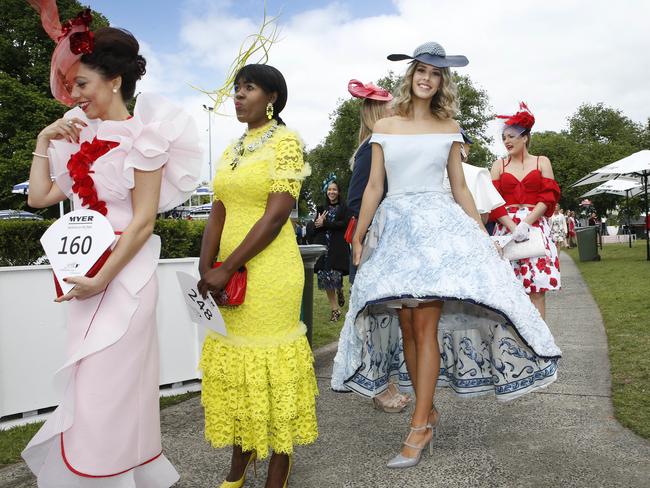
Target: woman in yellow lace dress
[259,386]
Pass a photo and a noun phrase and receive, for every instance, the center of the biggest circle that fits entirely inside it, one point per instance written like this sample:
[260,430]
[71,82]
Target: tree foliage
[26,104]
[597,135]
[475,113]
[334,153]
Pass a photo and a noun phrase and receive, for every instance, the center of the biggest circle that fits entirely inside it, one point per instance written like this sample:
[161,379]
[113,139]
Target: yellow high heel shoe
[240,482]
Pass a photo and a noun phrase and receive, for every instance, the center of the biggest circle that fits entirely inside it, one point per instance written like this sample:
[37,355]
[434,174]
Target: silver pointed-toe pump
[401,461]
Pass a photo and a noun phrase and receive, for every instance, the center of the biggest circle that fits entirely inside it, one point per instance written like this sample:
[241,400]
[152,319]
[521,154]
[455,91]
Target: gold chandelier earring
[269,110]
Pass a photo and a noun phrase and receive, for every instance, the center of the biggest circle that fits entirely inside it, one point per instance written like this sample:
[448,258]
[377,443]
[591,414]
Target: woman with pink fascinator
[128,168]
[375,105]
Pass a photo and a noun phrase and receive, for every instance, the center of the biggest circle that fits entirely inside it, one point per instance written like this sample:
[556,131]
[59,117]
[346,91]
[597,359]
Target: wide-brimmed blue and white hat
[433,54]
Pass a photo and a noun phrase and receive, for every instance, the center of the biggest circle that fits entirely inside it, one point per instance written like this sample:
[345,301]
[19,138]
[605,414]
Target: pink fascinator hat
[73,39]
[359,90]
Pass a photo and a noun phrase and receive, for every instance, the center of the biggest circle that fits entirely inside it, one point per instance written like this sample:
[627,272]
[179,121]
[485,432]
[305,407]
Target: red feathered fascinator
[73,39]
[359,90]
[523,118]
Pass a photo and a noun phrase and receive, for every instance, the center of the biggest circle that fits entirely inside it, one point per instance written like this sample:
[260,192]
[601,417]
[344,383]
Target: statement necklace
[240,148]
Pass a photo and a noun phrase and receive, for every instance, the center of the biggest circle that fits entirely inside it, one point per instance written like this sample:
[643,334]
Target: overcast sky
[555,55]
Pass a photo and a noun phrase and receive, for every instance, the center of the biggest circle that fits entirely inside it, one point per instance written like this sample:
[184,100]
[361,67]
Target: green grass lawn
[324,331]
[13,441]
[620,284]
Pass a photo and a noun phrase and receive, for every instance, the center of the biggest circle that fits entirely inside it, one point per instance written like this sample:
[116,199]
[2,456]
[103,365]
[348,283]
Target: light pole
[209,110]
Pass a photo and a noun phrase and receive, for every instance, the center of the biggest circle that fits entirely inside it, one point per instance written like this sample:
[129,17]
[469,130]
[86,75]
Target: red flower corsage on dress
[79,169]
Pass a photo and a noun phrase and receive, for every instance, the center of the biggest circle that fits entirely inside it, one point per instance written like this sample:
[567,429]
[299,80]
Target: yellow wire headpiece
[261,41]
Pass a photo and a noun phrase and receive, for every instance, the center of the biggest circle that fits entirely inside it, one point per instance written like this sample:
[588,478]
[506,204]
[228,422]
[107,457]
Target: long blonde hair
[371,111]
[444,104]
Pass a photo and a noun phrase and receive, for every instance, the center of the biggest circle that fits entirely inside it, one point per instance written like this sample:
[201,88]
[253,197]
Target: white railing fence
[32,335]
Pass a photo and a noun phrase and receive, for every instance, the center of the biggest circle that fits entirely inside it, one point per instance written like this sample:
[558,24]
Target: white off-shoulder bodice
[415,163]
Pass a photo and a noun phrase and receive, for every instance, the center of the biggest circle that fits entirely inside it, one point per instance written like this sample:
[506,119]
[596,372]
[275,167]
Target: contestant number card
[202,311]
[75,242]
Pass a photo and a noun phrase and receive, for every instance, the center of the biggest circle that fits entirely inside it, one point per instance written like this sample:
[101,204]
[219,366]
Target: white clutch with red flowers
[533,247]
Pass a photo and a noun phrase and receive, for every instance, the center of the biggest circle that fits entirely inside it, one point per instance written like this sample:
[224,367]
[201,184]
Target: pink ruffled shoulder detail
[159,135]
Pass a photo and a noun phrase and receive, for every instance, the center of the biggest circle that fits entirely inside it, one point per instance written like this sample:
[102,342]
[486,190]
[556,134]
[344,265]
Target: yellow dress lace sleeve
[289,168]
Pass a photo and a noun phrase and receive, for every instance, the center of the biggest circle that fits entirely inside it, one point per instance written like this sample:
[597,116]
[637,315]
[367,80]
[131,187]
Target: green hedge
[179,238]
[20,244]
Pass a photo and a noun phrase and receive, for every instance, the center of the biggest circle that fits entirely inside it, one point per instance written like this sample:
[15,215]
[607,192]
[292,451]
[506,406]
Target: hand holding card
[77,244]
[202,311]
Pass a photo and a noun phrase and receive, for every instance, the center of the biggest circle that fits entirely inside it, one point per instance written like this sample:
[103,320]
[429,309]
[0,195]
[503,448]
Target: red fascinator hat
[523,118]
[73,39]
[359,90]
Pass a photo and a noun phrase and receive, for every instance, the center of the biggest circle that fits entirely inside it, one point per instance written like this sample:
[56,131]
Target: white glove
[521,232]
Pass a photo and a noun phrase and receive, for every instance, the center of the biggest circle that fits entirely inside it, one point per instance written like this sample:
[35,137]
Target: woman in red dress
[571,223]
[527,185]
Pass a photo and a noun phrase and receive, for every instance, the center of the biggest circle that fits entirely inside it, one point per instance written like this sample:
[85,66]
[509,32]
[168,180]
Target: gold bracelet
[41,155]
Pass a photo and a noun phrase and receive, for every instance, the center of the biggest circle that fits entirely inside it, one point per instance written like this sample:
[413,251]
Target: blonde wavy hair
[444,104]
[370,112]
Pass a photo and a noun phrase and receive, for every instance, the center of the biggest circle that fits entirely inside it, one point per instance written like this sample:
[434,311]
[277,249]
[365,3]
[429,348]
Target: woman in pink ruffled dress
[106,430]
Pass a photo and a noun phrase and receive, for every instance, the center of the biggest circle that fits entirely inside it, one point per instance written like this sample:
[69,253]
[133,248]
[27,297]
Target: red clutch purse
[349,232]
[235,290]
[91,272]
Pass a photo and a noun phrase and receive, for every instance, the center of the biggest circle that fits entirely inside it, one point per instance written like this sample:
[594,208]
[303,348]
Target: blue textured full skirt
[423,247]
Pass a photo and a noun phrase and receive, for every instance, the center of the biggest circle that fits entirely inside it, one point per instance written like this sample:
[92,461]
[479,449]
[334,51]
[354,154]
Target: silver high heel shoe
[437,426]
[401,461]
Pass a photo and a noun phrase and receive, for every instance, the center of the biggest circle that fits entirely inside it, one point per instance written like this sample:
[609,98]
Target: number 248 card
[202,311]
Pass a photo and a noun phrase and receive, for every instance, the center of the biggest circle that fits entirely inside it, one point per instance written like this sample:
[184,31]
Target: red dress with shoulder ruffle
[538,275]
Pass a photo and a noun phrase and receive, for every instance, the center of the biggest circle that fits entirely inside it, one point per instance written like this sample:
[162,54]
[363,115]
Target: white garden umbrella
[636,165]
[623,186]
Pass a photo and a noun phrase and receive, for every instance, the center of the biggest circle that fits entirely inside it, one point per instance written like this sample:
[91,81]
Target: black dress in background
[335,263]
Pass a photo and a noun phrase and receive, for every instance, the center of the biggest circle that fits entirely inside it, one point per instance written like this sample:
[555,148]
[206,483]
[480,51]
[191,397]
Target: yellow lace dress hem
[259,397]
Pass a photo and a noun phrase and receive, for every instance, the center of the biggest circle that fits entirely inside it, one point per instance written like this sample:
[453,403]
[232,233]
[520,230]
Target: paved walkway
[564,436]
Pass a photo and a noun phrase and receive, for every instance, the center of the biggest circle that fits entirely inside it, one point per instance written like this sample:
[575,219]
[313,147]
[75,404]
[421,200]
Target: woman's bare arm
[211,239]
[263,232]
[144,200]
[459,188]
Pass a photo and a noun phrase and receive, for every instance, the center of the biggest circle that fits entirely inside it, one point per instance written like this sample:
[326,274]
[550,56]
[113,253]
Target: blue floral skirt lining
[492,339]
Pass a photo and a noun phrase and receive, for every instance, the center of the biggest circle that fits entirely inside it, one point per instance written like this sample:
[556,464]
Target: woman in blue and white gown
[428,252]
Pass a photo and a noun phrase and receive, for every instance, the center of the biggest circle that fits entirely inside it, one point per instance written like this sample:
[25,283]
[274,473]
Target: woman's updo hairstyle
[115,53]
[270,80]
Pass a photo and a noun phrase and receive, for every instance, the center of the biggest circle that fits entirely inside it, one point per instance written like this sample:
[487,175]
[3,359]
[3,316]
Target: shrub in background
[20,243]
[20,239]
